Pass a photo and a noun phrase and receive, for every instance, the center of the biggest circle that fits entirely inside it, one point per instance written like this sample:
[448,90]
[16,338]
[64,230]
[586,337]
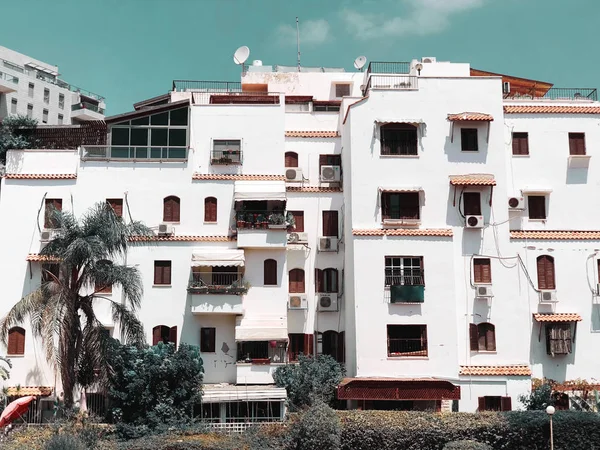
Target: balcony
[217,304]
[392,82]
[220,283]
[86,111]
[402,67]
[570,94]
[407,347]
[8,83]
[127,154]
[224,93]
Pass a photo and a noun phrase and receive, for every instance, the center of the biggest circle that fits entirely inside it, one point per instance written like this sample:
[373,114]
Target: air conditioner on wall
[328,302]
[297,301]
[164,229]
[516,203]
[297,238]
[46,235]
[328,244]
[293,174]
[548,296]
[474,222]
[331,174]
[483,291]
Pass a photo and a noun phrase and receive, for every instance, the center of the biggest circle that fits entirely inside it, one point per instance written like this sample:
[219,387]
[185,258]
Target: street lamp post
[550,411]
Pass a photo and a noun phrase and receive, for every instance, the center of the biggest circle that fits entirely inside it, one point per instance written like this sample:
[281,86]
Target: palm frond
[132,330]
[16,316]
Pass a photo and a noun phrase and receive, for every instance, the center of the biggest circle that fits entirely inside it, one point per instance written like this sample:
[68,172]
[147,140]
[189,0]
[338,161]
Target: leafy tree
[539,399]
[61,310]
[155,385]
[15,133]
[311,379]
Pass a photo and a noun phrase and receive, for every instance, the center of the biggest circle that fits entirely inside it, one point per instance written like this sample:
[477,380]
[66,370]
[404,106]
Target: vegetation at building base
[580,395]
[15,134]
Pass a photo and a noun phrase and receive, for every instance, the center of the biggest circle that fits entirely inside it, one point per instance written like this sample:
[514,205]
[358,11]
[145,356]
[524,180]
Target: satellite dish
[360,62]
[241,55]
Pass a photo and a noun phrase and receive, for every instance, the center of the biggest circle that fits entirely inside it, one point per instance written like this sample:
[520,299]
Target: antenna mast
[298,41]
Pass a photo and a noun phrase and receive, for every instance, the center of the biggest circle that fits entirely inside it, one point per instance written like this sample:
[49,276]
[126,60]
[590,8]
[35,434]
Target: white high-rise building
[445,245]
[32,88]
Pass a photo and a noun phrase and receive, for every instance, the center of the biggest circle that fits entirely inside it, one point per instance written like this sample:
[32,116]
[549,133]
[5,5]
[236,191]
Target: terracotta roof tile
[41,176]
[312,189]
[24,391]
[556,235]
[237,177]
[41,258]
[445,232]
[474,179]
[182,238]
[470,117]
[312,134]
[545,109]
[517,370]
[557,317]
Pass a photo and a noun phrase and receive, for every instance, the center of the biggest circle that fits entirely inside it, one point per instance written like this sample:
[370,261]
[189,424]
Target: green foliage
[466,445]
[65,442]
[154,386]
[539,398]
[312,378]
[317,428]
[15,134]
[4,372]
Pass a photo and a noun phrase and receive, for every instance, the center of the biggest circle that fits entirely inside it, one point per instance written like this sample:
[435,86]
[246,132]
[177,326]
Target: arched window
[100,286]
[171,207]
[291,159]
[210,209]
[270,272]
[16,341]
[296,281]
[326,280]
[545,270]
[162,333]
[332,344]
[482,337]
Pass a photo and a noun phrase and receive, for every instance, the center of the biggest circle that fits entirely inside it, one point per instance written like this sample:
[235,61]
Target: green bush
[65,442]
[466,445]
[317,428]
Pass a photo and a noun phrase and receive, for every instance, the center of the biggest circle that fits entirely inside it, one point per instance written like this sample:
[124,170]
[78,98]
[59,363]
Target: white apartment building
[415,221]
[32,88]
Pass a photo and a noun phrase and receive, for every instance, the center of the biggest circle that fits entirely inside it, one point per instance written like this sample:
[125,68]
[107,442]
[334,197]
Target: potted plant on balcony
[277,221]
[241,219]
[261,221]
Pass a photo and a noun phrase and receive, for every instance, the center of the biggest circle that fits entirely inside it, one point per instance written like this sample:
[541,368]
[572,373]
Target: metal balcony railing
[407,347]
[388,67]
[392,82]
[231,283]
[262,220]
[128,153]
[573,94]
[393,147]
[225,157]
[9,78]
[88,106]
[206,86]
[414,278]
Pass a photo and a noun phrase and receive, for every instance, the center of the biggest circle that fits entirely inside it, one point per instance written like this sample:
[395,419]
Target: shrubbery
[65,442]
[466,445]
[317,428]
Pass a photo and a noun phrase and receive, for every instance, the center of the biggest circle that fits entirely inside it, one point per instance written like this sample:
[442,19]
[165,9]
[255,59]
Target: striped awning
[220,257]
[470,117]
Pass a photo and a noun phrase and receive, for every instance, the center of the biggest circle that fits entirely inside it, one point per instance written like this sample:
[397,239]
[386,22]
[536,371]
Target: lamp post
[550,411]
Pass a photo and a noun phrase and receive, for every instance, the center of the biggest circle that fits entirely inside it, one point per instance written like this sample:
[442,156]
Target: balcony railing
[127,153]
[415,278]
[390,147]
[573,94]
[206,86]
[9,78]
[229,283]
[388,67]
[392,82]
[407,347]
[88,106]
[263,220]
[226,157]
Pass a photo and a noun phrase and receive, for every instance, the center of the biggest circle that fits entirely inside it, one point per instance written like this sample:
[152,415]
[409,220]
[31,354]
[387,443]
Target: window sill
[209,223]
[521,156]
[15,356]
[404,358]
[401,222]
[104,294]
[400,156]
[537,220]
[161,285]
[171,223]
[485,352]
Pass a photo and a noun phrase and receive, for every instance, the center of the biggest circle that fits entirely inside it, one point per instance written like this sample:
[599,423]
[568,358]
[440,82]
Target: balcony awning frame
[222,257]
[259,191]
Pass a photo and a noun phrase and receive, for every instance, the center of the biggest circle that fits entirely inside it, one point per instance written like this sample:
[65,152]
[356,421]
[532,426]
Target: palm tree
[61,310]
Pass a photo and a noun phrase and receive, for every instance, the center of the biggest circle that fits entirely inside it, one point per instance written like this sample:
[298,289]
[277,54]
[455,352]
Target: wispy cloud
[311,32]
[422,17]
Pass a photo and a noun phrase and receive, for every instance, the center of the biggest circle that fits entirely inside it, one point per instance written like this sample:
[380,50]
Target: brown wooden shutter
[472,203]
[318,280]
[291,159]
[490,338]
[296,281]
[157,273]
[162,272]
[385,205]
[51,206]
[299,219]
[545,269]
[520,144]
[577,143]
[341,349]
[176,209]
[156,335]
[167,272]
[322,161]
[481,403]
[536,205]
[16,341]
[473,337]
[210,209]
[270,272]
[482,272]
[173,335]
[117,205]
[330,223]
[422,272]
[506,404]
[171,209]
[309,340]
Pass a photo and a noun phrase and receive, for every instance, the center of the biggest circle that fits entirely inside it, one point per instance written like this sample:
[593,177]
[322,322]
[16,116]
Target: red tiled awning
[181,238]
[396,389]
[236,177]
[475,179]
[23,391]
[470,117]
[312,134]
[558,317]
[36,257]
[556,235]
[518,370]
[544,109]
[443,232]
[41,176]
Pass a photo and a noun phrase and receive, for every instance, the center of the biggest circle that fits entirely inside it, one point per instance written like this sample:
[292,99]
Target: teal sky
[129,50]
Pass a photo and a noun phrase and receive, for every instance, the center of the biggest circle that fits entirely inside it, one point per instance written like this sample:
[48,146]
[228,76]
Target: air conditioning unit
[46,235]
[474,222]
[548,296]
[297,301]
[297,238]
[330,174]
[483,291]
[328,244]
[164,229]
[328,302]
[516,204]
[506,87]
[293,174]
[428,59]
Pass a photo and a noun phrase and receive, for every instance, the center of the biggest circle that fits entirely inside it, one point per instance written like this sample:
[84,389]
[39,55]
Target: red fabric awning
[396,389]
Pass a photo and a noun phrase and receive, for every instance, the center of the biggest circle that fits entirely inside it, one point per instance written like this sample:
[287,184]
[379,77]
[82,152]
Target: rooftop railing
[587,94]
[392,82]
[133,153]
[88,106]
[206,86]
[388,67]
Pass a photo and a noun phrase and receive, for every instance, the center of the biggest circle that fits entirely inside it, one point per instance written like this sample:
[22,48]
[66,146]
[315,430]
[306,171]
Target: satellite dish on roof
[360,62]
[241,55]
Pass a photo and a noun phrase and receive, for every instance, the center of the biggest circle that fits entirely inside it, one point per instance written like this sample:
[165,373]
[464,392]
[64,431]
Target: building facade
[414,221]
[32,88]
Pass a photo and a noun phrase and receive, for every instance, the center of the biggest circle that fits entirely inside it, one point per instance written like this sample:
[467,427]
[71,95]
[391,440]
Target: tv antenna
[360,62]
[298,41]
[241,56]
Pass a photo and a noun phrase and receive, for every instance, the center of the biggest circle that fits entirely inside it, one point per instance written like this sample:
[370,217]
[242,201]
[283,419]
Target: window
[332,343]
[577,143]
[536,204]
[495,403]
[330,223]
[326,281]
[61,101]
[520,143]
[210,209]
[164,334]
[407,340]
[482,271]
[13,106]
[30,90]
[162,272]
[226,151]
[326,106]
[50,272]
[559,339]
[545,271]
[117,205]
[299,220]
[270,272]
[404,271]
[46,96]
[399,139]
[330,160]
[472,203]
[468,140]
[300,344]
[207,340]
[342,90]
[60,119]
[261,352]
[171,209]
[296,281]
[482,337]
[29,110]
[102,287]
[291,159]
[45,116]
[16,341]
[52,207]
[400,205]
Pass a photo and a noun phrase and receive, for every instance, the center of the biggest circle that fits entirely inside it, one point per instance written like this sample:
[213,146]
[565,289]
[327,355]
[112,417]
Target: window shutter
[577,143]
[51,206]
[322,161]
[506,404]
[173,335]
[309,344]
[270,272]
[16,341]
[385,205]
[117,205]
[330,223]
[341,348]
[545,268]
[167,273]
[490,338]
[473,337]
[318,280]
[156,337]
[299,219]
[296,281]
[482,271]
[481,402]
[167,210]
[157,273]
[291,159]
[422,272]
[176,209]
[520,144]
[210,209]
